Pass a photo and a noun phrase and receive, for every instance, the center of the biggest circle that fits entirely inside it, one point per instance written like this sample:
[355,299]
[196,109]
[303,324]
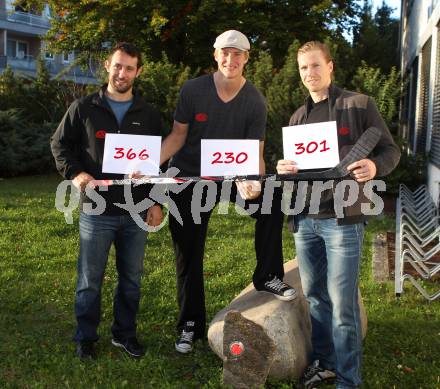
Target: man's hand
[249,190]
[285,166]
[363,170]
[82,180]
[154,216]
[136,175]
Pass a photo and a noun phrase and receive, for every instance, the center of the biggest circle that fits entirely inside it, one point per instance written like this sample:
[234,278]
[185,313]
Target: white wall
[434,182]
[417,29]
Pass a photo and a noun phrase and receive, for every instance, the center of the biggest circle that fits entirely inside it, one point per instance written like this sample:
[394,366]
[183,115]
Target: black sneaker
[316,375]
[86,350]
[131,346]
[184,342]
[279,289]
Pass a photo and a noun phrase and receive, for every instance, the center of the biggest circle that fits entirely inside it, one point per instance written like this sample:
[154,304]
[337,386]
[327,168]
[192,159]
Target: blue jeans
[97,233]
[329,257]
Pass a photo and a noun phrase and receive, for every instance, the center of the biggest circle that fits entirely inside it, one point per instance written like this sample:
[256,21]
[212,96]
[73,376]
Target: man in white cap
[222,105]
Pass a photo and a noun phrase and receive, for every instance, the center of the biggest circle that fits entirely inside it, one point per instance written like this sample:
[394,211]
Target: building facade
[21,44]
[420,64]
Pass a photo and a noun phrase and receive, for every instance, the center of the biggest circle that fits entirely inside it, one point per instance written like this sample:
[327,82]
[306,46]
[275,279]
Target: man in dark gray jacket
[329,248]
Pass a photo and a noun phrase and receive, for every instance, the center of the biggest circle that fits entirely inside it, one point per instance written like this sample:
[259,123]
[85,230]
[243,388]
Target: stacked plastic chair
[417,238]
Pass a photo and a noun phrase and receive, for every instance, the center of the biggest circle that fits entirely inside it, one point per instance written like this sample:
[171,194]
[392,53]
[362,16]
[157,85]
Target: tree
[375,39]
[185,29]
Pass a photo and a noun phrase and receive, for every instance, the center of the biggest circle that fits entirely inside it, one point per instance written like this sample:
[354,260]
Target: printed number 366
[130,154]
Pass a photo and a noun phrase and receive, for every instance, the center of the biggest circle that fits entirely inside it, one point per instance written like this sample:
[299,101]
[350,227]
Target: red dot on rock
[236,348]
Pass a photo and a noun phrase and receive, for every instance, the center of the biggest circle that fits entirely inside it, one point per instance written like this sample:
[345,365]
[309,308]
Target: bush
[411,171]
[384,88]
[160,83]
[24,148]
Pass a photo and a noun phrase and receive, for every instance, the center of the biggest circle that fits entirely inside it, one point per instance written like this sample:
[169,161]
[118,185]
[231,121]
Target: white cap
[232,38]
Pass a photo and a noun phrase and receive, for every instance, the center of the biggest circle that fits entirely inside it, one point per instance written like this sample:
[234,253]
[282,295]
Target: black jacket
[78,143]
[354,113]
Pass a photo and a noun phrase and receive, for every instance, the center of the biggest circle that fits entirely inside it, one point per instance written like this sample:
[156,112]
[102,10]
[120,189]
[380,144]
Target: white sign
[127,154]
[229,157]
[312,146]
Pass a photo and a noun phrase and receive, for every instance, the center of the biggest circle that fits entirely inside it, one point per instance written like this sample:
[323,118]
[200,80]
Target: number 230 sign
[312,146]
[227,157]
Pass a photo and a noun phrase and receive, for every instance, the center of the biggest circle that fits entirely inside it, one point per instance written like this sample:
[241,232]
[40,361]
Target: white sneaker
[184,343]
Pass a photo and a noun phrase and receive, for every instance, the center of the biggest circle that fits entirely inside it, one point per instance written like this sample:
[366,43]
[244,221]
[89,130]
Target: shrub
[384,88]
[160,84]
[411,170]
[24,148]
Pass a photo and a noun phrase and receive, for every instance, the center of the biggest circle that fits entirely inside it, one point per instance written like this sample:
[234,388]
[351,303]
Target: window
[422,104]
[46,11]
[22,7]
[17,49]
[68,57]
[46,53]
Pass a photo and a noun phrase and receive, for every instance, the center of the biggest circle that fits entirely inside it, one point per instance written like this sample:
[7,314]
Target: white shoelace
[276,284]
[187,336]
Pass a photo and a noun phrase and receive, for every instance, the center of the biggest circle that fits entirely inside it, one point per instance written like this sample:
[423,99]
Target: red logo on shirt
[201,117]
[100,134]
[344,131]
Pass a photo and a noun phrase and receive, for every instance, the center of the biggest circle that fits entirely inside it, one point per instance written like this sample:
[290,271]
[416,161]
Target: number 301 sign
[312,146]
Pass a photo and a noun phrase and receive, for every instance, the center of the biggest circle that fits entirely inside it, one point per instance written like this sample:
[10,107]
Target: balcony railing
[26,18]
[29,64]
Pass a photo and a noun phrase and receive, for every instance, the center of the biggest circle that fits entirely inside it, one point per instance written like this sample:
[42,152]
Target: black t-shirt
[318,113]
[244,117]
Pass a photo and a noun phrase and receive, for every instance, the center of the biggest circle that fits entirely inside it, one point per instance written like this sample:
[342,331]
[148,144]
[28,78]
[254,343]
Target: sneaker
[86,350]
[184,343]
[279,289]
[315,375]
[131,346]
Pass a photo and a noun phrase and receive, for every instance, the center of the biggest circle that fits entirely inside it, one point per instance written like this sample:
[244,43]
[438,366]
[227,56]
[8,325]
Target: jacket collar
[333,93]
[100,100]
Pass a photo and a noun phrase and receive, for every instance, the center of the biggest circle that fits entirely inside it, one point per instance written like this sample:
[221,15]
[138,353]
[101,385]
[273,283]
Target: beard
[119,87]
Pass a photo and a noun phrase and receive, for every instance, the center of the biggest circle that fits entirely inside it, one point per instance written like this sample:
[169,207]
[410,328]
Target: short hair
[129,49]
[316,45]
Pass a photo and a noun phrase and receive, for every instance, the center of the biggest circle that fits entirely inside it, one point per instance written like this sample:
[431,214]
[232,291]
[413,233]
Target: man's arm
[65,142]
[174,141]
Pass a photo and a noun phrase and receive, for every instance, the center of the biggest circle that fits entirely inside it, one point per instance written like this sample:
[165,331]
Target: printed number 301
[311,147]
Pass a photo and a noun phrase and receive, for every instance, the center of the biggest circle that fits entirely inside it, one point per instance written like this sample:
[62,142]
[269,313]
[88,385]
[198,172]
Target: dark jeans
[329,259]
[189,246]
[97,233]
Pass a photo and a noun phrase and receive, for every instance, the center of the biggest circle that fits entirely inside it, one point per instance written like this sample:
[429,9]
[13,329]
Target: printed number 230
[229,158]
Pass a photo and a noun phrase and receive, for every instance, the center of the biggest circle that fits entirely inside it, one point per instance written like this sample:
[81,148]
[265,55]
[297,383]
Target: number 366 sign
[124,153]
[312,146]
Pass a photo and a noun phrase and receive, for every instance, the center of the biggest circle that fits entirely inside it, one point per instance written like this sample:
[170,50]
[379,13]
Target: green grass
[38,252]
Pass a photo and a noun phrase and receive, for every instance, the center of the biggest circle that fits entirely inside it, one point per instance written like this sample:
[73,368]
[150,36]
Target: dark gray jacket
[354,113]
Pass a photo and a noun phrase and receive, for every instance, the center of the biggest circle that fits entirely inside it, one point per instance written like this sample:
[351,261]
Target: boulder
[258,330]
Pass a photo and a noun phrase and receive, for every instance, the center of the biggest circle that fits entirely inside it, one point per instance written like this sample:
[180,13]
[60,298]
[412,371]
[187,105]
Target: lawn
[38,251]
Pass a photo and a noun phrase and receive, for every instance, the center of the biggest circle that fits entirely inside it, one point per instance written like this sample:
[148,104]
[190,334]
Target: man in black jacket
[329,248]
[78,148]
